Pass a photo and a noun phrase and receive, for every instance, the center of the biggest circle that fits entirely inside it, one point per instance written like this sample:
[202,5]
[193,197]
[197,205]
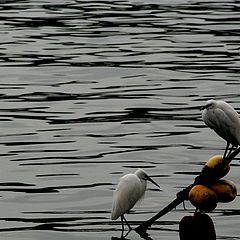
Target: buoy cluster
[205,194]
[214,189]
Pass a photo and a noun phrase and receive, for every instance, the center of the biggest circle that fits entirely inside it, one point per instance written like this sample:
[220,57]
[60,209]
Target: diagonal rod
[181,196]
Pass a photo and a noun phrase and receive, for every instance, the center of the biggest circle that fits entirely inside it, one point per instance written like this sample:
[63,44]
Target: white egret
[130,189]
[224,120]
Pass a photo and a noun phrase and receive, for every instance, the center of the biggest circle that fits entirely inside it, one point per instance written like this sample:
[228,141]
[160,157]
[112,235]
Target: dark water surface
[91,90]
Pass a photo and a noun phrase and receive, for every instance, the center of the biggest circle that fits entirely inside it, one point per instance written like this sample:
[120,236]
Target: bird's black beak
[150,180]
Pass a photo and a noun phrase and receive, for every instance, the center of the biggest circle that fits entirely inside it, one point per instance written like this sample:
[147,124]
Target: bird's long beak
[149,179]
[203,107]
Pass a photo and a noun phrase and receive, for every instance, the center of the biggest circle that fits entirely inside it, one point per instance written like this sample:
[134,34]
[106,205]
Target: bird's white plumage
[130,189]
[223,119]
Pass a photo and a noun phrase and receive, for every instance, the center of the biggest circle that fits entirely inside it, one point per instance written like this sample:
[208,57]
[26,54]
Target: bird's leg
[130,228]
[122,220]
[231,150]
[226,150]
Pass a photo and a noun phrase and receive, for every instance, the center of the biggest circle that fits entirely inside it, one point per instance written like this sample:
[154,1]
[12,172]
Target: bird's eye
[208,105]
[145,177]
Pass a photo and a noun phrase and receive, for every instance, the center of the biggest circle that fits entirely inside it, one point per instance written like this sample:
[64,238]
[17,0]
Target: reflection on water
[93,90]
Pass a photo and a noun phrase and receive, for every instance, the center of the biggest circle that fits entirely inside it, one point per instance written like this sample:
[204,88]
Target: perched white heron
[224,120]
[130,189]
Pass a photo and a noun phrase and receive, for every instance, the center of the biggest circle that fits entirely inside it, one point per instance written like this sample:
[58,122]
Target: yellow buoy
[217,166]
[225,189]
[203,198]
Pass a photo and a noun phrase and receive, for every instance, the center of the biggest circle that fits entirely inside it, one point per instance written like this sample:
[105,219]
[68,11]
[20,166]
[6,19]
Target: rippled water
[93,90]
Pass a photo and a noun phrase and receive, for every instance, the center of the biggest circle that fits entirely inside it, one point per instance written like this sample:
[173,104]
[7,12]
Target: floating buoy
[203,198]
[217,167]
[197,227]
[225,190]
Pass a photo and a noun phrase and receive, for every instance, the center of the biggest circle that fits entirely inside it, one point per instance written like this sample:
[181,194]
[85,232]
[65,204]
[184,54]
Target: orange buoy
[203,198]
[225,190]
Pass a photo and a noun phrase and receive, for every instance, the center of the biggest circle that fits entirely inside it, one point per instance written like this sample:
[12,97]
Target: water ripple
[93,90]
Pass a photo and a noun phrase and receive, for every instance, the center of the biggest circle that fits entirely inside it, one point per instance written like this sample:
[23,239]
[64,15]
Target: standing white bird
[224,120]
[130,189]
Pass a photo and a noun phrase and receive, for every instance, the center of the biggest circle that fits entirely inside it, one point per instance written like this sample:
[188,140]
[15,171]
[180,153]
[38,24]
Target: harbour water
[92,90]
